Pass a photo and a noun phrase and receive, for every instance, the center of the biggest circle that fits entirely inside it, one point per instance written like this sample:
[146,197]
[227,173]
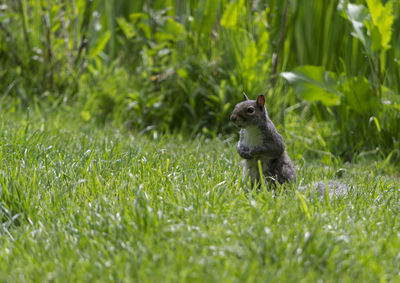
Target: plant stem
[24,29]
[84,29]
[280,45]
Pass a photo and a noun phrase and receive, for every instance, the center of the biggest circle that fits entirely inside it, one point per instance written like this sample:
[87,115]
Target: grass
[83,203]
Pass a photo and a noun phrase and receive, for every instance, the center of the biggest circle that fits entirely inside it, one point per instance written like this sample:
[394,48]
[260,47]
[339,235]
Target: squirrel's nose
[233,117]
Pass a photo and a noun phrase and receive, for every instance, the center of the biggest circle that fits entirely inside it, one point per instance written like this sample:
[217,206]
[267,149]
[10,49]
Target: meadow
[118,162]
[86,203]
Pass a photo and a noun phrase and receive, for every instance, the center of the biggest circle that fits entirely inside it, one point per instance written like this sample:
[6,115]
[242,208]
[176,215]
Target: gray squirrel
[260,141]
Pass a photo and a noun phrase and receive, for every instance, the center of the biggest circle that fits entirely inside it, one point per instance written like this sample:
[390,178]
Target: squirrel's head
[249,112]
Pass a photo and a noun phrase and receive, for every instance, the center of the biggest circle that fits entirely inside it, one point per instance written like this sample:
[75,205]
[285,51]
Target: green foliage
[355,103]
[381,26]
[42,46]
[348,101]
[373,27]
[314,84]
[170,66]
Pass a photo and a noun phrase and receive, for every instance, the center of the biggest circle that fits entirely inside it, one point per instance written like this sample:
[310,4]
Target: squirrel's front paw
[244,152]
[245,155]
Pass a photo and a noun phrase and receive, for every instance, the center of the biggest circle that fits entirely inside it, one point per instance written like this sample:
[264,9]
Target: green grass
[82,203]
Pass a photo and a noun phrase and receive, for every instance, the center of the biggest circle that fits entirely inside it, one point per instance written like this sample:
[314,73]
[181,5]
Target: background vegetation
[155,65]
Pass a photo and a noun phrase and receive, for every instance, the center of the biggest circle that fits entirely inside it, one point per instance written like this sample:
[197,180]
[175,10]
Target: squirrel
[260,141]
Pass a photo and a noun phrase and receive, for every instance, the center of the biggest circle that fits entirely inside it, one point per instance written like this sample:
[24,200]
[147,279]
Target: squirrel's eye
[250,110]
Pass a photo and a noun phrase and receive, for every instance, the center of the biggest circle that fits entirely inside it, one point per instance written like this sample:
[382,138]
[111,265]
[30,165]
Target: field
[118,162]
[87,203]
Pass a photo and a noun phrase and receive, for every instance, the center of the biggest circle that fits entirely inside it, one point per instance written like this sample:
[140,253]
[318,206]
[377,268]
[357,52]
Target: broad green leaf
[163,37]
[126,27]
[174,28]
[100,44]
[230,18]
[357,15]
[313,83]
[382,18]
[358,95]
[134,17]
[145,28]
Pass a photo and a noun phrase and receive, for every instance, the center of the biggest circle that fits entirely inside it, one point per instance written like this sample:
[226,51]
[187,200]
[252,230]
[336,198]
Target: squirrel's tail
[334,188]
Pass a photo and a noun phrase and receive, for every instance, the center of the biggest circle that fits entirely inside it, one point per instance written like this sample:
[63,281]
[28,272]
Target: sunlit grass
[81,203]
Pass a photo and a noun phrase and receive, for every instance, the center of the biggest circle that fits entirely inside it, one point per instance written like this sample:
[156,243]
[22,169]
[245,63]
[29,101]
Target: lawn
[86,203]
[118,162]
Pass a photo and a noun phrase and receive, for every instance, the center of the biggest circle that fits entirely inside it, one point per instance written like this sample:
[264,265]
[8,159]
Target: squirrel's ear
[245,96]
[261,100]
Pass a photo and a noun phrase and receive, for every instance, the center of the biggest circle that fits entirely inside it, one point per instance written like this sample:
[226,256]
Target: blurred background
[329,69]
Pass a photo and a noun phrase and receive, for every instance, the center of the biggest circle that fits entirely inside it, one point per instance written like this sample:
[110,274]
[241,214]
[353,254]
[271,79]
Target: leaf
[358,95]
[378,19]
[263,42]
[313,83]
[250,56]
[376,37]
[376,122]
[134,17]
[226,107]
[85,115]
[357,15]
[126,27]
[145,29]
[382,18]
[182,73]
[230,17]
[163,37]
[303,205]
[206,16]
[100,44]
[175,28]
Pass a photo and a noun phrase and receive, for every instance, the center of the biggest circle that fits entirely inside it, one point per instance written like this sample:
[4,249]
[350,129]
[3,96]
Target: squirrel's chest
[251,137]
